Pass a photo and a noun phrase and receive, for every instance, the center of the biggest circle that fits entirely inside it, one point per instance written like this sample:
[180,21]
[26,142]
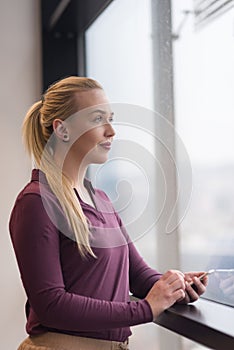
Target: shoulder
[28,203]
[35,200]
[36,213]
[35,191]
[30,193]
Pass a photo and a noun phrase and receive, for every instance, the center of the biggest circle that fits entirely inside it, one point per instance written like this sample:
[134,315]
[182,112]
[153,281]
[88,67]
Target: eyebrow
[101,111]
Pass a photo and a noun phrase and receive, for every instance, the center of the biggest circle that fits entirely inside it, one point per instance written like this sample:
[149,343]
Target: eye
[111,119]
[98,119]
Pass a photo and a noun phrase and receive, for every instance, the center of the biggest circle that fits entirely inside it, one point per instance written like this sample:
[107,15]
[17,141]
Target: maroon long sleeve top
[67,293]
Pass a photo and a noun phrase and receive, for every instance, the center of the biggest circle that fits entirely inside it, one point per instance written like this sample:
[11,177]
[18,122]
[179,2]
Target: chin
[97,160]
[100,161]
[96,157]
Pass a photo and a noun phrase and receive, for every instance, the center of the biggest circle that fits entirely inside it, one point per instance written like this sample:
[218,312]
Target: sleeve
[36,244]
[141,276]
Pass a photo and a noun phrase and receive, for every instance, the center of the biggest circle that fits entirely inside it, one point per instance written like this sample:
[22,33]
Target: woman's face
[90,129]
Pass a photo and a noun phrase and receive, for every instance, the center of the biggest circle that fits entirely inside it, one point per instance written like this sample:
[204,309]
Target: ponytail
[32,132]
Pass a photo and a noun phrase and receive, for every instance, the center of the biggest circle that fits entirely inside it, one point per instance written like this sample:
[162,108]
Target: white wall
[20,86]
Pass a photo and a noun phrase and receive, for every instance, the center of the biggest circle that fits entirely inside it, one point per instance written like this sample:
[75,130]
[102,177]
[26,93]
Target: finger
[200,274]
[202,277]
[173,275]
[187,299]
[190,275]
[179,283]
[173,272]
[188,278]
[205,280]
[200,287]
[193,296]
[179,295]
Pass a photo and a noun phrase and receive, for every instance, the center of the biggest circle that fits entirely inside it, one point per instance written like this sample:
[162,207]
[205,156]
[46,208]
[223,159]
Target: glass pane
[119,52]
[119,56]
[204,105]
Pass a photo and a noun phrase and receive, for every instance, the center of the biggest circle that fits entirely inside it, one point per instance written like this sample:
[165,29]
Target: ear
[61,130]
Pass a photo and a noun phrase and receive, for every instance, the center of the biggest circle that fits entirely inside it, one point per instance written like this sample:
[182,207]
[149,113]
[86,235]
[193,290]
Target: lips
[106,145]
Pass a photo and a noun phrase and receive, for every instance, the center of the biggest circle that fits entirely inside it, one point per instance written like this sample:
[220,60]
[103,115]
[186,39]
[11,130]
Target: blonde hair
[58,102]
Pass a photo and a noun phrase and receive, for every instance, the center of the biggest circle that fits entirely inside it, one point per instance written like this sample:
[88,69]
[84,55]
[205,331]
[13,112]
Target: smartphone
[229,271]
[201,278]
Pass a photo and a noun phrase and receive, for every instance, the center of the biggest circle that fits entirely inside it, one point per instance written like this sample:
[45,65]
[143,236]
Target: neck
[74,170]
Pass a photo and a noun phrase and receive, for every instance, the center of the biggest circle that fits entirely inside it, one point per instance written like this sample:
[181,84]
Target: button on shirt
[67,293]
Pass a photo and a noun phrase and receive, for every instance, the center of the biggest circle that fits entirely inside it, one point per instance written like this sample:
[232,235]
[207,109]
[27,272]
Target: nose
[109,130]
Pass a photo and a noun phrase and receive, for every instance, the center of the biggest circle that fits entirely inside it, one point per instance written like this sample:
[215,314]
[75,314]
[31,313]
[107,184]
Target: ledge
[205,322]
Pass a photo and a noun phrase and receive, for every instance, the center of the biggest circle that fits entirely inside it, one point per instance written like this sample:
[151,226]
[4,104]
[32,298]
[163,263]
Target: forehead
[91,98]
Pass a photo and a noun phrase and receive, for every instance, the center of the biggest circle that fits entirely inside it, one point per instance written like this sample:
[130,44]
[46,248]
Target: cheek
[91,138]
[88,141]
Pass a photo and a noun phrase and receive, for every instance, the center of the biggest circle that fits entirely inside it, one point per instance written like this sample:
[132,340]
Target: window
[119,54]
[204,104]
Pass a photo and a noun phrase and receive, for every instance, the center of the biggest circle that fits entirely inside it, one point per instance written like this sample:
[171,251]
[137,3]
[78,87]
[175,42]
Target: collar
[38,175]
[88,185]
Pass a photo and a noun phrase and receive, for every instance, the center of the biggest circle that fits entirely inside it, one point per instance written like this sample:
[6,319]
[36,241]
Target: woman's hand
[166,291]
[194,287]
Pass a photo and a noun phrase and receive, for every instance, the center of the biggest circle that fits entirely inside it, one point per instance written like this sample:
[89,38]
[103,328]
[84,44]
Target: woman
[76,260]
